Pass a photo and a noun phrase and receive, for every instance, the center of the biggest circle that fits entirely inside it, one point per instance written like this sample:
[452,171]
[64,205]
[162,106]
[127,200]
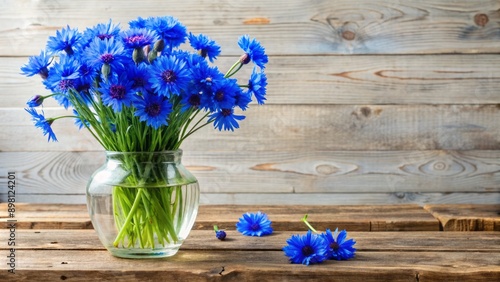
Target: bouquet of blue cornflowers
[137,90]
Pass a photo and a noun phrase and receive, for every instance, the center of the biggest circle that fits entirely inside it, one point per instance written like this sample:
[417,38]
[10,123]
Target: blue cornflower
[242,100]
[42,123]
[37,65]
[67,40]
[205,46]
[254,224]
[253,51]
[169,29]
[306,249]
[153,109]
[138,38]
[220,234]
[338,247]
[35,101]
[191,100]
[226,119]
[117,92]
[108,52]
[101,31]
[169,76]
[63,77]
[257,85]
[224,93]
[138,23]
[139,75]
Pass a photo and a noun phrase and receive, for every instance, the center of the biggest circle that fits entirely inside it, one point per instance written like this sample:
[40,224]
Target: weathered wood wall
[369,101]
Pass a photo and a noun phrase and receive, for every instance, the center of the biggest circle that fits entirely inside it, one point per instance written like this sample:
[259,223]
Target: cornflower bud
[159,45]
[35,101]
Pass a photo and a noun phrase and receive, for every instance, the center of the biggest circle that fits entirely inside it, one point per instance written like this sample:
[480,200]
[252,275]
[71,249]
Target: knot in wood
[481,19]
[348,35]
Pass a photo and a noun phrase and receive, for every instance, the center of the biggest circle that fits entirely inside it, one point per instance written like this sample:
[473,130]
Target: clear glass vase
[143,204]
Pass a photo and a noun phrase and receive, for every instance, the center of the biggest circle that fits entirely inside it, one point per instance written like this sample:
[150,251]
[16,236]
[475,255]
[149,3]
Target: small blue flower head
[254,224]
[169,29]
[138,38]
[139,75]
[101,31]
[225,119]
[338,247]
[153,109]
[109,52]
[37,65]
[253,51]
[66,39]
[306,249]
[117,92]
[257,85]
[220,234]
[169,76]
[35,101]
[42,123]
[205,46]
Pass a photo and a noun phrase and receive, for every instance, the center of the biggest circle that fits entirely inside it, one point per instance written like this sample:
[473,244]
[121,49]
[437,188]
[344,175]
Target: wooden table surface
[394,243]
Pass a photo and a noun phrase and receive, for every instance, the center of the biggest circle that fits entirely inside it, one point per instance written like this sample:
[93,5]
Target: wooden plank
[299,199]
[280,172]
[74,239]
[253,266]
[467,217]
[343,26]
[303,128]
[355,218]
[405,79]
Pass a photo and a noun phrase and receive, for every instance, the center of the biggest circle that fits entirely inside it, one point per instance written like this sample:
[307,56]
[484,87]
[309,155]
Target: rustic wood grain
[369,102]
[355,218]
[317,128]
[406,79]
[86,239]
[299,199]
[280,172]
[467,217]
[285,27]
[254,266]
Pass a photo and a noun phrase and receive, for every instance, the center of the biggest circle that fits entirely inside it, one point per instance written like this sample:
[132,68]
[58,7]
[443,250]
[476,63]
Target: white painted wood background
[369,102]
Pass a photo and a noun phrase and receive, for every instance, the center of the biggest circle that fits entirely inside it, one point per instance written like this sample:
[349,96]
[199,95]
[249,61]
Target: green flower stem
[131,214]
[304,219]
[234,69]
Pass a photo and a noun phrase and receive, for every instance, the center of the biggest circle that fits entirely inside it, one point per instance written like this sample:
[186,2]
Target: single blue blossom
[257,85]
[242,100]
[153,109]
[253,51]
[169,29]
[169,76]
[224,94]
[139,75]
[338,247]
[63,77]
[254,224]
[108,52]
[42,123]
[117,92]
[37,65]
[66,39]
[306,249]
[101,31]
[219,234]
[225,119]
[35,101]
[205,46]
[138,38]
